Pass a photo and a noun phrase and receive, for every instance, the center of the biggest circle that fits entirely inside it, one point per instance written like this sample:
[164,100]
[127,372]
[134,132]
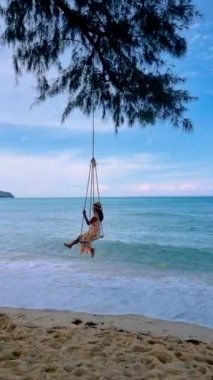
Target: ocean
[155,259]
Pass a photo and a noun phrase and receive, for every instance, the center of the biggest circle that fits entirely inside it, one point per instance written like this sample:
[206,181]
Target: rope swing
[95,231]
[92,189]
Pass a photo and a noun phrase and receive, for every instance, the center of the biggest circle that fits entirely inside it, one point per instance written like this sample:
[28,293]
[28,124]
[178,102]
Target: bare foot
[92,252]
[68,245]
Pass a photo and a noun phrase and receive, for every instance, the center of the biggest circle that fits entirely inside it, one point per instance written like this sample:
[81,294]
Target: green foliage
[110,55]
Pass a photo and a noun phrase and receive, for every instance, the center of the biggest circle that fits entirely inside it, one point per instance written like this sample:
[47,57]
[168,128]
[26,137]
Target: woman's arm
[91,221]
[85,216]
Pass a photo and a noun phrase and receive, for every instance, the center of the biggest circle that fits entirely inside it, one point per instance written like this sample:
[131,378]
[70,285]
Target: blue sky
[42,158]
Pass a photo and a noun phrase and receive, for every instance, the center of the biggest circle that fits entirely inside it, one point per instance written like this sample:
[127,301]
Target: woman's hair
[98,209]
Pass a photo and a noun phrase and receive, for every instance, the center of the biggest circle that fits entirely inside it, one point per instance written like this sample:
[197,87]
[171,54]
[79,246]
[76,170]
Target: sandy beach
[49,344]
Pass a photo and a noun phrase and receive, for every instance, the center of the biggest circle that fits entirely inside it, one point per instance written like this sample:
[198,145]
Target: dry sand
[40,345]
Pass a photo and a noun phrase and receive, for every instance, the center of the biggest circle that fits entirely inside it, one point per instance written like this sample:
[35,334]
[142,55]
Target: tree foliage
[111,55]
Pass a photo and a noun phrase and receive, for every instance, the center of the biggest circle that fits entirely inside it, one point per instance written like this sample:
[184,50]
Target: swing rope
[93,176]
[91,182]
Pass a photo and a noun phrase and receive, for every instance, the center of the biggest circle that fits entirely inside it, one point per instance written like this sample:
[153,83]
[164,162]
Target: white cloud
[37,176]
[190,74]
[196,37]
[169,188]
[66,175]
[196,25]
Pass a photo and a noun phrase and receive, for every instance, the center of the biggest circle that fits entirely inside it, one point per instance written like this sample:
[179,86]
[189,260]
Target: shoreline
[60,345]
[127,322]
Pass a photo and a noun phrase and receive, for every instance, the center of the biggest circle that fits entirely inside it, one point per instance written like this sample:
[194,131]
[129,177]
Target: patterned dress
[92,234]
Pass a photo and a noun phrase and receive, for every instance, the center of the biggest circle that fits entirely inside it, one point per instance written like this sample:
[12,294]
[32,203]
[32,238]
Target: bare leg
[73,242]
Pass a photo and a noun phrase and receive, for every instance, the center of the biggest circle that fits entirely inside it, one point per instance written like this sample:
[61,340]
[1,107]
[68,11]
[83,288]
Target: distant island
[6,194]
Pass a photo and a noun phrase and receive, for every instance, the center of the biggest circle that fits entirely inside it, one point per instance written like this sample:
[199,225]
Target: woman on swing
[93,233]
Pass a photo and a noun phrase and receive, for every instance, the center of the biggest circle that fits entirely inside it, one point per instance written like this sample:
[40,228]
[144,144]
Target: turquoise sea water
[156,257]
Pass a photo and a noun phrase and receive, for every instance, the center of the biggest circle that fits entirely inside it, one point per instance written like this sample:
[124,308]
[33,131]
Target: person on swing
[93,233]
